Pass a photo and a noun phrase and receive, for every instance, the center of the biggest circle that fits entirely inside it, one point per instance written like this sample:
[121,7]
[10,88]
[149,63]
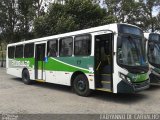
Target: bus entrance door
[103,62]
[40,61]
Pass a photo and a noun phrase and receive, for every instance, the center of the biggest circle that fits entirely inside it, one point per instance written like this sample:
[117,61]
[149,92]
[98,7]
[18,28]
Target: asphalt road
[42,98]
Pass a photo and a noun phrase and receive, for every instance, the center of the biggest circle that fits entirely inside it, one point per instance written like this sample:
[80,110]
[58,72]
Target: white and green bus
[153,54]
[109,58]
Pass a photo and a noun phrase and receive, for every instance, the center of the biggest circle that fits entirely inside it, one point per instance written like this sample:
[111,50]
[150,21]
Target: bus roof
[146,35]
[111,27]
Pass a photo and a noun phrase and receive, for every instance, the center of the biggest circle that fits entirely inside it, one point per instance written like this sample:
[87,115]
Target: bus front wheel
[81,85]
[26,77]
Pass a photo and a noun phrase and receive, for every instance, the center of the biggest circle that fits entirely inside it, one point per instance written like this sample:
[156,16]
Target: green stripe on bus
[138,77]
[69,64]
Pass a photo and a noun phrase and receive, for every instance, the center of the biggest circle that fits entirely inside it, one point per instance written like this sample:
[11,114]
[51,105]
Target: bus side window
[82,46]
[66,47]
[53,48]
[11,51]
[29,50]
[19,51]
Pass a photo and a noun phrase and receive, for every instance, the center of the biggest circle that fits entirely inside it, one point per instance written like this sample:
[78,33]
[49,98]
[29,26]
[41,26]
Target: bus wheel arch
[80,83]
[26,76]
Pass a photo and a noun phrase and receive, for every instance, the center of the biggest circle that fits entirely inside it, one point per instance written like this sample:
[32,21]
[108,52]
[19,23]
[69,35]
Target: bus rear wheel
[26,77]
[81,85]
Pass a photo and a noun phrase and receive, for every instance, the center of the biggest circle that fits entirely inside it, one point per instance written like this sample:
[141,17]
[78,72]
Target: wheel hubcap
[81,85]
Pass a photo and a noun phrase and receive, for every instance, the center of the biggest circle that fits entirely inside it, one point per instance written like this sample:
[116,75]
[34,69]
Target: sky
[156,10]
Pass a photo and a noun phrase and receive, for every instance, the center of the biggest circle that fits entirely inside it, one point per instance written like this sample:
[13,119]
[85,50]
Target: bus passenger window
[52,48]
[11,51]
[66,47]
[29,50]
[19,51]
[82,46]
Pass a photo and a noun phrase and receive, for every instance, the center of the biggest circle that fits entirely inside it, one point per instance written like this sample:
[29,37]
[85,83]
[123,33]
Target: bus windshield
[154,49]
[131,51]
[154,52]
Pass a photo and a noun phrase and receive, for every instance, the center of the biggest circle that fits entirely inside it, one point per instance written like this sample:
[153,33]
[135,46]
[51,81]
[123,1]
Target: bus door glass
[103,60]
[40,56]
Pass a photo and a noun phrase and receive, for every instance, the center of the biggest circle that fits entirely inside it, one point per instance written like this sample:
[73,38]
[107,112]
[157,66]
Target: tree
[73,15]
[38,7]
[138,13]
[157,24]
[125,11]
[113,8]
[150,21]
[26,13]
[85,13]
[48,21]
[8,20]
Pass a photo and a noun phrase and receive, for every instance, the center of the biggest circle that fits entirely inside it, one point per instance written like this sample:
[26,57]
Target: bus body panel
[16,66]
[60,70]
[15,72]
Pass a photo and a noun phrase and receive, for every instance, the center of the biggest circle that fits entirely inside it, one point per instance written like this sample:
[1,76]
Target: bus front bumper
[126,87]
[154,78]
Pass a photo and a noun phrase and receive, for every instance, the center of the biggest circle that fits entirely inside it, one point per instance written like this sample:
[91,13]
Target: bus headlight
[124,77]
[128,79]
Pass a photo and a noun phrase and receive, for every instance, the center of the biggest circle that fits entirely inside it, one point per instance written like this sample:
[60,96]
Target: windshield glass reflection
[131,51]
[154,53]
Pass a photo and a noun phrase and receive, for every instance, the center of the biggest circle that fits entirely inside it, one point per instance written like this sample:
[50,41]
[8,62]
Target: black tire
[81,85]
[26,77]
